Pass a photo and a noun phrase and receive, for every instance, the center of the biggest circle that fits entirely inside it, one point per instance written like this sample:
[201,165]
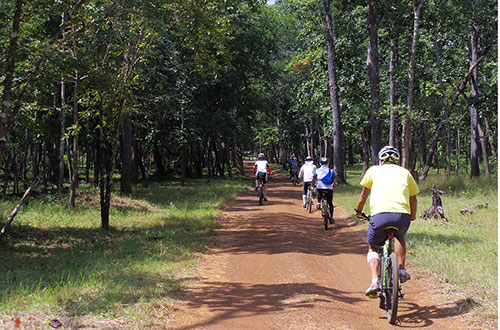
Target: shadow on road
[233,300]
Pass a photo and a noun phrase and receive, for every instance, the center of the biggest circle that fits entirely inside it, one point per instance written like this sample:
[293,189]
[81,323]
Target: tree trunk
[238,156]
[106,184]
[68,155]
[101,163]
[338,133]
[311,137]
[76,147]
[393,93]
[411,84]
[365,156]
[490,139]
[448,150]
[160,167]
[457,151]
[308,142]
[474,120]
[373,74]
[127,161]
[62,140]
[423,141]
[279,119]
[484,151]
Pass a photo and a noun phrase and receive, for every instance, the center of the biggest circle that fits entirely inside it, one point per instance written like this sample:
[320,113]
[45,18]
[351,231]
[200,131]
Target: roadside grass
[61,263]
[462,252]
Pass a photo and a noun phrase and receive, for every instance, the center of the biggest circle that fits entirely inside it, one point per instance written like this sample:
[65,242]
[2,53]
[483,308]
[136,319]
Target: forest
[135,90]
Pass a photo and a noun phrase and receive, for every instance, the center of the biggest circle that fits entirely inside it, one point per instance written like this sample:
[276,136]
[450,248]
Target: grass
[462,252]
[61,263]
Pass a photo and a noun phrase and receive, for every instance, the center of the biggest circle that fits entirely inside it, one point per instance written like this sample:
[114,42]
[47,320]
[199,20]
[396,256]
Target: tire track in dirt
[275,267]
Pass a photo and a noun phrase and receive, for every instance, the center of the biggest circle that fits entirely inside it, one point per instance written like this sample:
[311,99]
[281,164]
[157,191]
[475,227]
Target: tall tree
[406,136]
[338,132]
[372,64]
[474,116]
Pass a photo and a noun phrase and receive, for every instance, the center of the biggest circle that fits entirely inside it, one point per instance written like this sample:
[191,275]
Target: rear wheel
[261,194]
[326,214]
[309,202]
[392,289]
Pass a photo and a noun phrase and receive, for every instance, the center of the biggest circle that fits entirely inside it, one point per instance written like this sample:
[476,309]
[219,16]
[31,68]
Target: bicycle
[309,198]
[260,190]
[389,282]
[325,210]
[294,178]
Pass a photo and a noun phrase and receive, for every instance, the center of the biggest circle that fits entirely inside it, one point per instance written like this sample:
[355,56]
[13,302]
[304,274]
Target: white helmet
[309,159]
[261,156]
[388,154]
[323,161]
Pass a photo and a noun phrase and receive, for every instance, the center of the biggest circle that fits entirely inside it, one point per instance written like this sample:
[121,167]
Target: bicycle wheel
[309,202]
[326,213]
[261,194]
[392,289]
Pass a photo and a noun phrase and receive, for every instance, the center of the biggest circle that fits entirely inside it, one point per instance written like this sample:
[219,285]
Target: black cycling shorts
[376,235]
[262,175]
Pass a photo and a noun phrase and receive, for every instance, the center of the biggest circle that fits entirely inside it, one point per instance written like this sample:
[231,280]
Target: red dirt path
[275,267]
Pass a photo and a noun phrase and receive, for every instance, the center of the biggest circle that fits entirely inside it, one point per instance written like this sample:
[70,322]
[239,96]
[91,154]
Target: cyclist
[326,179]
[294,166]
[306,173]
[393,202]
[261,169]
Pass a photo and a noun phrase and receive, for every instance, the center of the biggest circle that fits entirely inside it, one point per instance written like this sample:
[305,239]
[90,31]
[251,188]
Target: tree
[338,133]
[373,74]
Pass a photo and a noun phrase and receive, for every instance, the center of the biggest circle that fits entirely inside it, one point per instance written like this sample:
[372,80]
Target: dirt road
[275,267]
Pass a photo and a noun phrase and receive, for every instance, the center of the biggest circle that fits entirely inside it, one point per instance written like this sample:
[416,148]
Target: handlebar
[363,214]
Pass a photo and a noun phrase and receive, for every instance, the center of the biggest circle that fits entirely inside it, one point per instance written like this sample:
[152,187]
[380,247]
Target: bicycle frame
[261,190]
[389,283]
[309,198]
[325,212]
[390,286]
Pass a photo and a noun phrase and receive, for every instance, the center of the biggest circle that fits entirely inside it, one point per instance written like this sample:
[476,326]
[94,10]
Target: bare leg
[400,249]
[374,263]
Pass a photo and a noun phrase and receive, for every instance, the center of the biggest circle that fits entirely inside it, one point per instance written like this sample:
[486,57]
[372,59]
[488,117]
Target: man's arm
[362,199]
[413,207]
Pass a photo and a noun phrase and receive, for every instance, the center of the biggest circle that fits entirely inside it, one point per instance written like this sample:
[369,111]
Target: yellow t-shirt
[391,187]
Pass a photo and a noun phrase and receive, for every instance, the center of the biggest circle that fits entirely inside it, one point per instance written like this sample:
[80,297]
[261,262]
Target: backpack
[328,178]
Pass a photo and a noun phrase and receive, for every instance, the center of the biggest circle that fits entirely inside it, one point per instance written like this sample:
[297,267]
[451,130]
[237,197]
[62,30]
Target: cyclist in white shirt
[306,174]
[261,169]
[326,179]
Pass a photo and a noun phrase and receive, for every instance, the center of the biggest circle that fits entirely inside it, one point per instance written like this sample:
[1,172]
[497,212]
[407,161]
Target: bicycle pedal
[373,296]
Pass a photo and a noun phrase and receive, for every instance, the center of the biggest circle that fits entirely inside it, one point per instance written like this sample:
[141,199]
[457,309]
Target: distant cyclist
[393,202]
[326,179]
[294,166]
[261,170]
[306,173]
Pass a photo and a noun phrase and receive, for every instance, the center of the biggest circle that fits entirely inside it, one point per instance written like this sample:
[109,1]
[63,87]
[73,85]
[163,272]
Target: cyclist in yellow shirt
[393,202]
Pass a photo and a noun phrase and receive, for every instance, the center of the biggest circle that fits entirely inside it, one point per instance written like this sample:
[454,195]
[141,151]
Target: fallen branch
[18,207]
[470,209]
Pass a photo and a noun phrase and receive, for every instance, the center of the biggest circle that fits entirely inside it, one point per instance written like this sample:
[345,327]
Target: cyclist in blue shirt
[326,179]
[294,166]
